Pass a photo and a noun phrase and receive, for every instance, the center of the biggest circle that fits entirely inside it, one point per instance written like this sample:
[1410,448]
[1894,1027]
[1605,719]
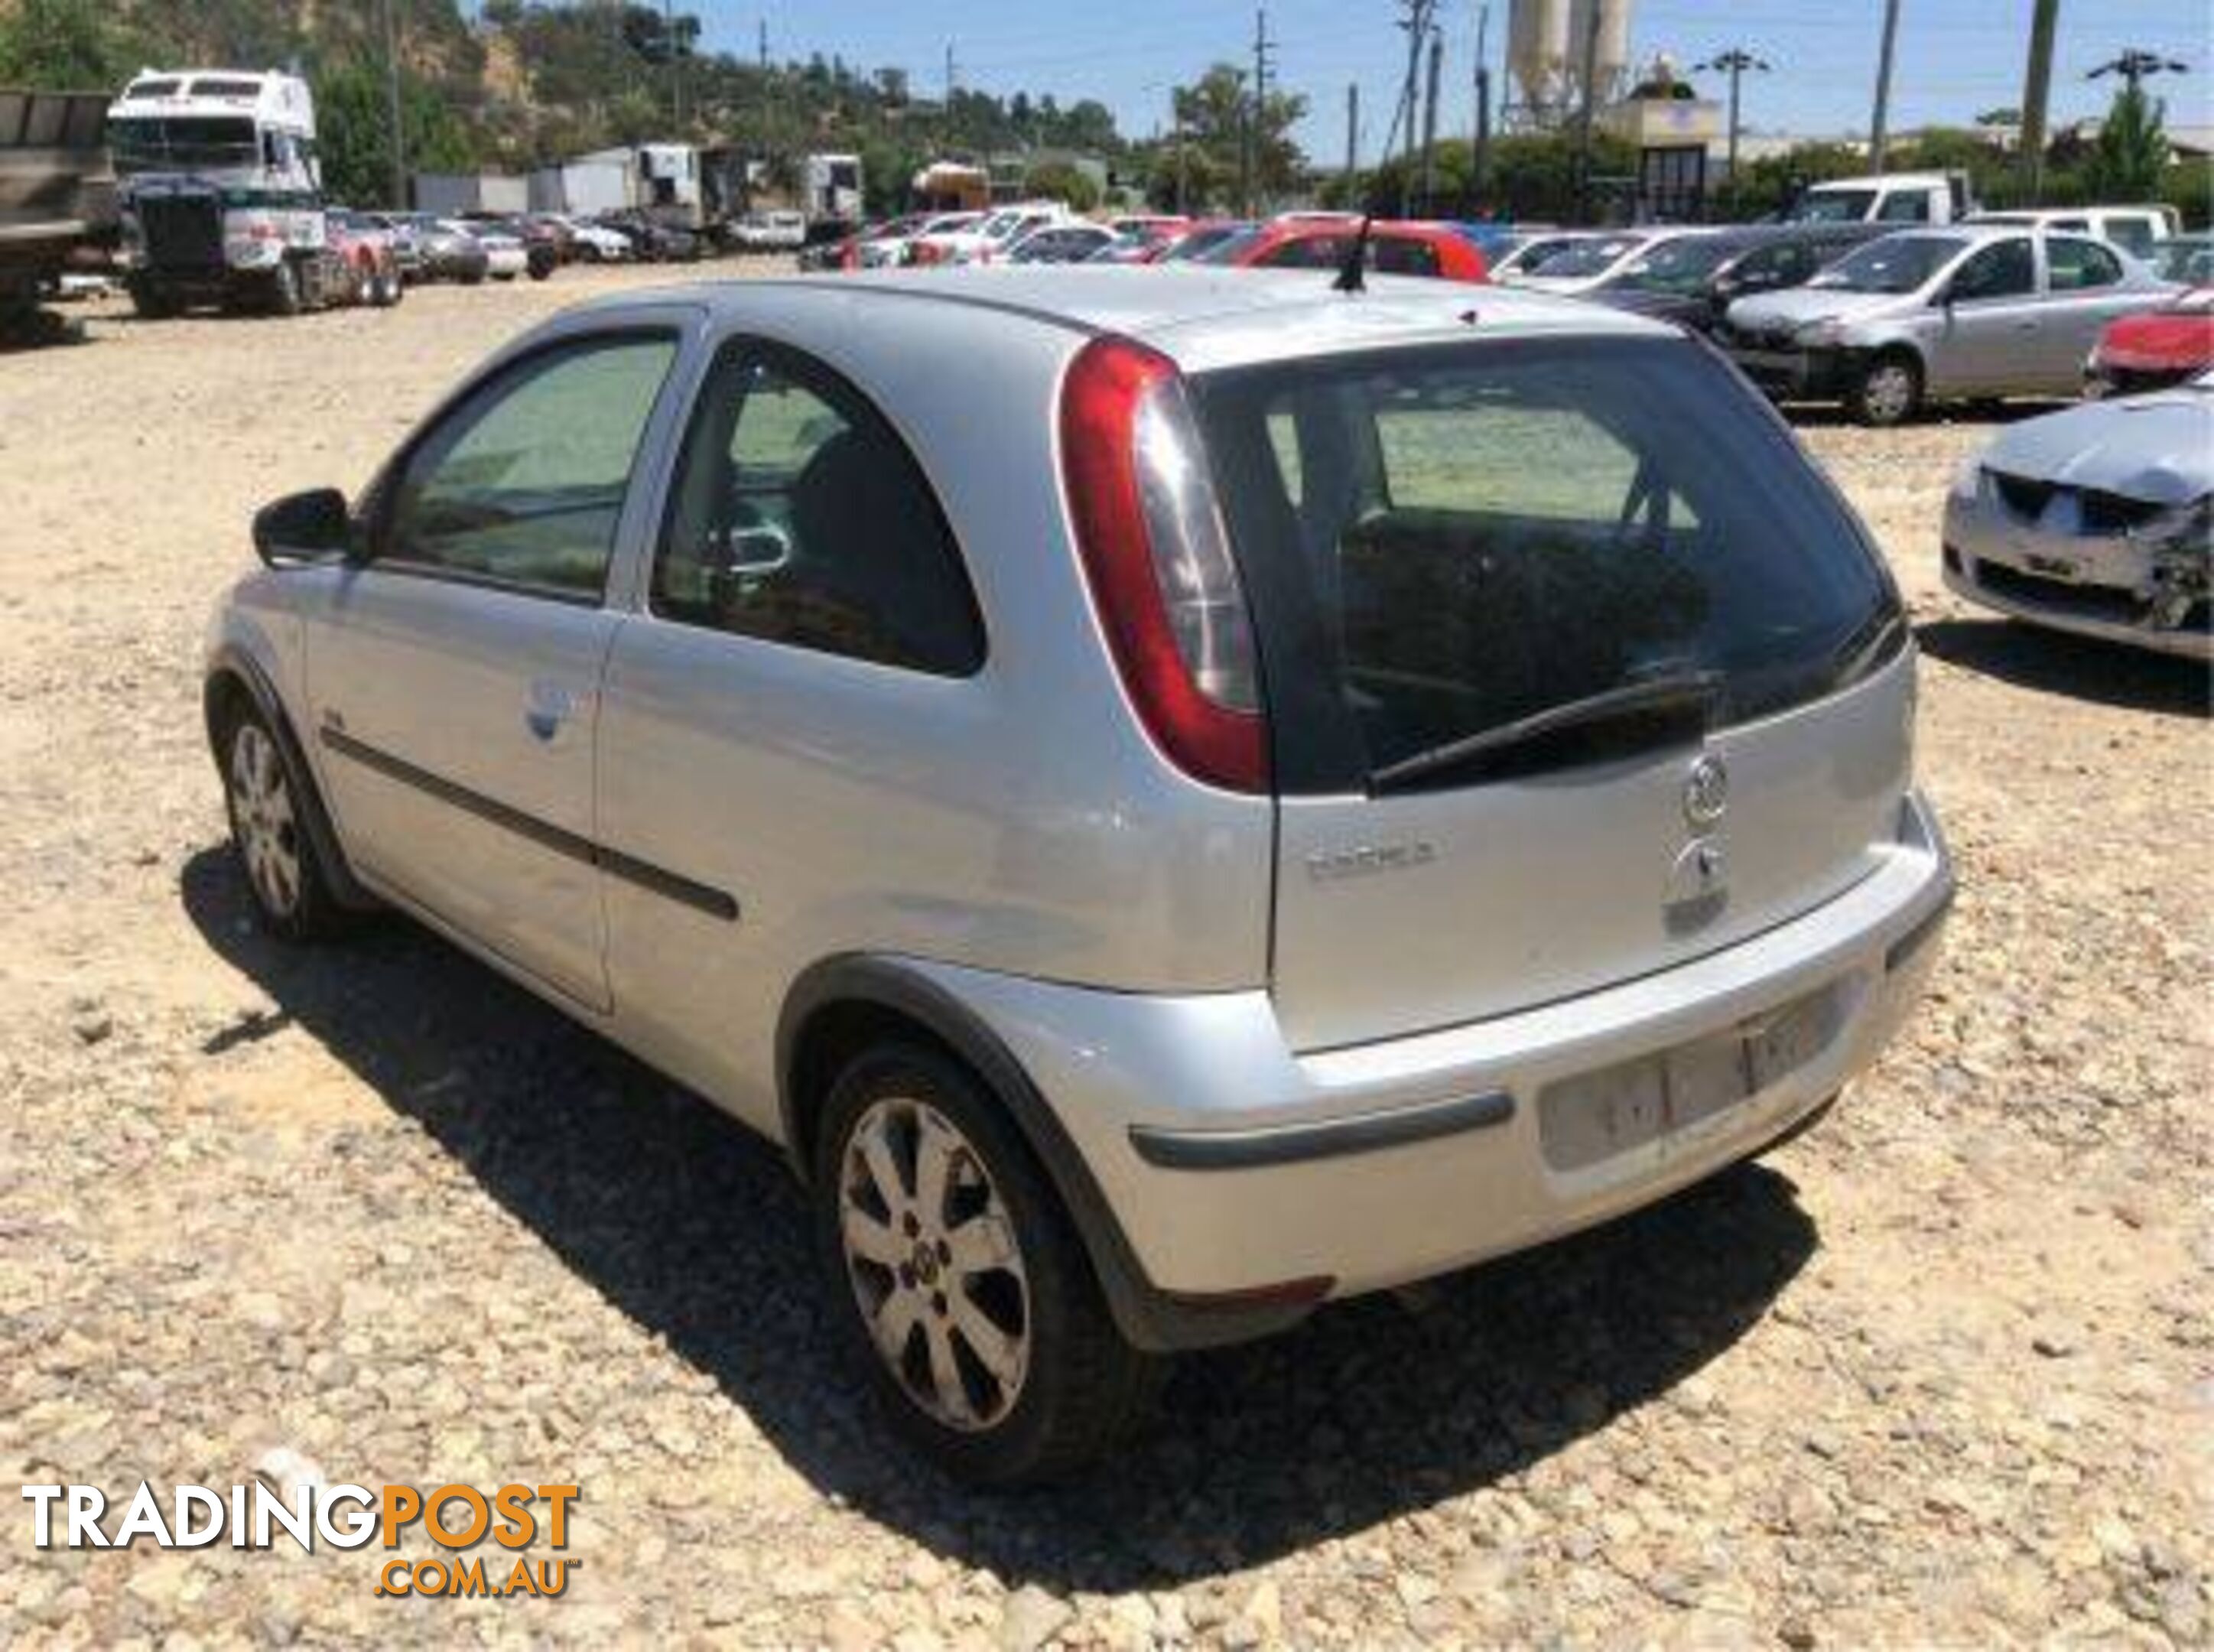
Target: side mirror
[310,527]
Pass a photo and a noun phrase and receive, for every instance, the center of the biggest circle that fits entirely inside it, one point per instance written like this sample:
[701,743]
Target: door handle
[549,706]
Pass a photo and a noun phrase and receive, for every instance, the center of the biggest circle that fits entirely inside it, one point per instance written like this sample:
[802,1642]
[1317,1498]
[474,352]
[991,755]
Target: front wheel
[965,1290]
[268,803]
[286,296]
[1886,392]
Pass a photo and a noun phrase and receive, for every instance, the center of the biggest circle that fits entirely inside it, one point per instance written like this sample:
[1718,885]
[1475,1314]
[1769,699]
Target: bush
[1058,181]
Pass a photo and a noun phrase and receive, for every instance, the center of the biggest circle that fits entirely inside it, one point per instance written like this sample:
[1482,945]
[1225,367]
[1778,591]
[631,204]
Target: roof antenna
[1351,277]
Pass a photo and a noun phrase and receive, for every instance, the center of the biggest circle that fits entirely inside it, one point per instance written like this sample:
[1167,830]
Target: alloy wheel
[1890,392]
[263,820]
[936,1267]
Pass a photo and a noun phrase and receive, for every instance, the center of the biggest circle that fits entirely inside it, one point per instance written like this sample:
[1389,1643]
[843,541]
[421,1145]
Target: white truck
[830,193]
[221,196]
[1900,197]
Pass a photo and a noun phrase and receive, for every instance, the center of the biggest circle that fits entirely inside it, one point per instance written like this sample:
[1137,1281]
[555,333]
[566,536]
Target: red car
[2154,348]
[370,257]
[1396,246]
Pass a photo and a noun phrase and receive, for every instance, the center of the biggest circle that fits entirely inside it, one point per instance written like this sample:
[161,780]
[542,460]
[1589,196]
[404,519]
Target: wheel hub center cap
[925,1263]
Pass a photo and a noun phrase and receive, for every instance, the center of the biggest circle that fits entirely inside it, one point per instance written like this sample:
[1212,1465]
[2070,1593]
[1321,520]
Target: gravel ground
[1943,1371]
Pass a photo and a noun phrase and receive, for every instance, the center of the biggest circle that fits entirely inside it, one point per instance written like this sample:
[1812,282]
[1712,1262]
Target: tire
[1008,1372]
[1885,392]
[152,303]
[267,800]
[286,297]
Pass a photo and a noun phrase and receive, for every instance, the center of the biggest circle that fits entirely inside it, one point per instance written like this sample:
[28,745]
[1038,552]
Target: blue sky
[1955,57]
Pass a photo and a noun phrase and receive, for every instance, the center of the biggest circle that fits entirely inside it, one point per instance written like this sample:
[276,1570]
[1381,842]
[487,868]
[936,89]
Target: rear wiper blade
[1653,694]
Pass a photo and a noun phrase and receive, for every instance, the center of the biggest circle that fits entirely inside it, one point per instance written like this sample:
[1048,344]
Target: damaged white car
[2098,520]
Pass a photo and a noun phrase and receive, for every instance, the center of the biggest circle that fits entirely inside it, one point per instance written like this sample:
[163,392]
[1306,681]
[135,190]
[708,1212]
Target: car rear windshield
[1679,266]
[1830,206]
[1581,258]
[1442,542]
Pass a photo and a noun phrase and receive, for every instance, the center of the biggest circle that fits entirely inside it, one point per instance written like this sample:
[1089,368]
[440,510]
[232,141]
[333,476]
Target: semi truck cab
[221,192]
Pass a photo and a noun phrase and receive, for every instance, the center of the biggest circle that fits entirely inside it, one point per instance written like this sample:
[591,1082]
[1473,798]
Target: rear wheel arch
[844,1005]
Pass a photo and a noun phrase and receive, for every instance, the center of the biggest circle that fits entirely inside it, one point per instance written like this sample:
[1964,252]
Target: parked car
[774,230]
[989,238]
[369,253]
[2188,261]
[1202,238]
[590,242]
[1894,198]
[505,257]
[1940,315]
[653,241]
[541,242]
[1693,279]
[1142,239]
[406,237]
[449,252]
[2154,348]
[2098,520]
[1578,859]
[1532,252]
[1059,243]
[2138,230]
[1396,246]
[892,252]
[1591,262]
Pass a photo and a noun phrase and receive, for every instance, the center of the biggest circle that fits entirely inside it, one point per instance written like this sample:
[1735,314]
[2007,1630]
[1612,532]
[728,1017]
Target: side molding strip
[700,897]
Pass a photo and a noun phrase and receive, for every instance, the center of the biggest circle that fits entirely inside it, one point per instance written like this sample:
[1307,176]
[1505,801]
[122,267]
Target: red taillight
[1159,564]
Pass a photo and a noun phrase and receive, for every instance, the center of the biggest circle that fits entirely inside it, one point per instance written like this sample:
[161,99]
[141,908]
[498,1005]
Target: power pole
[2037,95]
[1430,126]
[392,111]
[1879,121]
[2135,67]
[1352,137]
[1480,150]
[676,62]
[1417,25]
[1590,78]
[761,46]
[1734,62]
[1250,157]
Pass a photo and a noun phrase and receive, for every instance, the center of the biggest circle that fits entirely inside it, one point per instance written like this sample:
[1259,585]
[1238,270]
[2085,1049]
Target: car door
[453,672]
[1987,342]
[2085,289]
[804,655]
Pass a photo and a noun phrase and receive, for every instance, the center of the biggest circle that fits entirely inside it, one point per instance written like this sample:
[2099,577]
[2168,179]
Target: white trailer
[457,194]
[586,188]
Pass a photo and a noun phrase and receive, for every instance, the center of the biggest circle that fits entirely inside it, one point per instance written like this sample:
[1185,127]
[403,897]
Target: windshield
[181,142]
[1580,258]
[1228,249]
[1439,542]
[1677,267]
[1830,206]
[1894,264]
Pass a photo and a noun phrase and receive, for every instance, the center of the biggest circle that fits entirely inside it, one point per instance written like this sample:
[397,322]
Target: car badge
[1706,793]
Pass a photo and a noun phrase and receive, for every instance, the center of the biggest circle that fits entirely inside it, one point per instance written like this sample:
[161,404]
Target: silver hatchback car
[1940,314]
[1176,796]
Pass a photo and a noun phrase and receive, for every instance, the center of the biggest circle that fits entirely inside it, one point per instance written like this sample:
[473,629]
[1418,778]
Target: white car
[505,257]
[780,231]
[988,242]
[1594,260]
[895,250]
[596,242]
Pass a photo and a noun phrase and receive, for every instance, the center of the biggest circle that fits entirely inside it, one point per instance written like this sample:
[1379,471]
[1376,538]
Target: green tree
[1213,115]
[69,45]
[353,122]
[2131,149]
[1058,181]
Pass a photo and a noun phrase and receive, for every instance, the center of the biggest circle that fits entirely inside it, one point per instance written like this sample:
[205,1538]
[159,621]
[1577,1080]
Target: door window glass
[523,484]
[1403,255]
[2003,270]
[1905,206]
[800,518]
[2077,265]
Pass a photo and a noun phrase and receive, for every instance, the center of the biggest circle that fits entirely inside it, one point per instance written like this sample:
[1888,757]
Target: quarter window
[1905,206]
[800,518]
[2076,265]
[524,485]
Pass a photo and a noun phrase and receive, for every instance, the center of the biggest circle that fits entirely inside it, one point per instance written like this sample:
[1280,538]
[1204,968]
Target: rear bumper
[1238,1171]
